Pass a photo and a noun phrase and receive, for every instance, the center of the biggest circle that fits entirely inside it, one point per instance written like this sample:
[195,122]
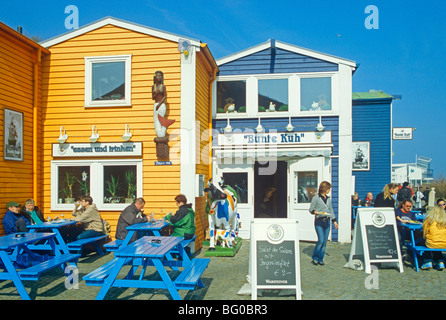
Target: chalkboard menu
[276,263]
[381,242]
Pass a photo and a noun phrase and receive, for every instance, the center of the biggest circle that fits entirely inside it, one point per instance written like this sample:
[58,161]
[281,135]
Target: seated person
[88,214]
[31,212]
[368,201]
[129,216]
[12,221]
[403,215]
[434,233]
[182,221]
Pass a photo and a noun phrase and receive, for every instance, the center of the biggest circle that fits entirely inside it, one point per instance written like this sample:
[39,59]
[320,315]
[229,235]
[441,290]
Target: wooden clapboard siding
[19,91]
[275,60]
[366,114]
[63,104]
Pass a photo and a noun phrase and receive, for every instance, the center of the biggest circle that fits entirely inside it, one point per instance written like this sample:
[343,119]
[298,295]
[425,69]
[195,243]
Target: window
[108,81]
[315,94]
[273,95]
[239,183]
[231,96]
[119,184]
[112,184]
[307,186]
[73,182]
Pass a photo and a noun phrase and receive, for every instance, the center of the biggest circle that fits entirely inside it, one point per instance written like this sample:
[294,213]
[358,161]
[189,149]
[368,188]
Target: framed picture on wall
[361,156]
[13,144]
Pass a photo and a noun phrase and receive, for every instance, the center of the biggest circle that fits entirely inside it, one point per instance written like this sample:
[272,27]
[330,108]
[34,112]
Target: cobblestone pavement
[225,276]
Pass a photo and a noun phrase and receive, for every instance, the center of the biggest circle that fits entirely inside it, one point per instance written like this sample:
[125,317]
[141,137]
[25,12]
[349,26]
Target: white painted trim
[188,126]
[118,23]
[244,53]
[345,151]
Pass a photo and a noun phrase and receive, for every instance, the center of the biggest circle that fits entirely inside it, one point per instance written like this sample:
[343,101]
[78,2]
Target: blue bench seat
[420,250]
[78,244]
[114,245]
[189,278]
[33,273]
[97,277]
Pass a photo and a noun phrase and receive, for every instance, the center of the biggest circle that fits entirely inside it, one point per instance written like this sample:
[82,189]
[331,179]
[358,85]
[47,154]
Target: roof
[119,23]
[371,95]
[22,38]
[271,43]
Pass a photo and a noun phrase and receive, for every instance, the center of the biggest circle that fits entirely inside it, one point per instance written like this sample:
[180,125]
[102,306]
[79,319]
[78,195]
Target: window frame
[294,95]
[96,189]
[88,81]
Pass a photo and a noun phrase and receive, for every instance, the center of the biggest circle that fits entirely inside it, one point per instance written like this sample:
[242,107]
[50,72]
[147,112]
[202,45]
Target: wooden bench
[97,277]
[33,273]
[114,245]
[78,244]
[189,278]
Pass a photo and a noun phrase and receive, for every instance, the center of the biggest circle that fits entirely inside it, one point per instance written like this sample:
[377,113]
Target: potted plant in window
[112,187]
[131,186]
[68,190]
[84,184]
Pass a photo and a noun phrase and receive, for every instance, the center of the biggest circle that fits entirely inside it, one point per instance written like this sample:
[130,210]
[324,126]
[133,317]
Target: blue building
[282,119]
[372,136]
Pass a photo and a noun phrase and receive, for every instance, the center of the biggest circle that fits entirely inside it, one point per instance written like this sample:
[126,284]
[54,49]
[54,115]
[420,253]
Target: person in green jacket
[182,221]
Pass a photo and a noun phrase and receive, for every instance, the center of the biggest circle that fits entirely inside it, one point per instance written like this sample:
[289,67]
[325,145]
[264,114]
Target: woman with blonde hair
[323,213]
[385,199]
[434,233]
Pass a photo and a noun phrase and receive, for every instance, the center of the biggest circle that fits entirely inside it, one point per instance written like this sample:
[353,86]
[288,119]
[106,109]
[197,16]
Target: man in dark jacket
[404,193]
[129,216]
[12,221]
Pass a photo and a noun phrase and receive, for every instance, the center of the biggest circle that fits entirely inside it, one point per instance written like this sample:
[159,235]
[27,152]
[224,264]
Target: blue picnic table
[144,228]
[14,245]
[54,226]
[144,252]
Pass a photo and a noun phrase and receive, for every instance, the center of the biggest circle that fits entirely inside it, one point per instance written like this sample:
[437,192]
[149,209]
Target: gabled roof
[371,95]
[22,38]
[272,43]
[119,23]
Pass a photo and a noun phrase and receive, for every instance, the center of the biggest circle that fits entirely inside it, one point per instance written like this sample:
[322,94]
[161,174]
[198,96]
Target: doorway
[270,189]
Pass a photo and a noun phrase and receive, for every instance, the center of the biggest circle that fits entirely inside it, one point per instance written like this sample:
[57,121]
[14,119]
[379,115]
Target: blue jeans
[89,234]
[322,226]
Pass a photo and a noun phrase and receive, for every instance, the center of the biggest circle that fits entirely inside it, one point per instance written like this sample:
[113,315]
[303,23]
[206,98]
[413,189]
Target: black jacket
[128,217]
[27,215]
[380,202]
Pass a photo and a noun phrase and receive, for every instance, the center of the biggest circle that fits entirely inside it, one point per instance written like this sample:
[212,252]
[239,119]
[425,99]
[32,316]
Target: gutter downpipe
[35,115]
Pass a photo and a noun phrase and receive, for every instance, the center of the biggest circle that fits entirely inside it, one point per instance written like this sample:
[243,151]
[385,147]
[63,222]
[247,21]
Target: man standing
[129,216]
[405,193]
[12,221]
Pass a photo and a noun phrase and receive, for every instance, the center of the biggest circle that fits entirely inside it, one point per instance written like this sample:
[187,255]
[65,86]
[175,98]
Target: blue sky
[404,56]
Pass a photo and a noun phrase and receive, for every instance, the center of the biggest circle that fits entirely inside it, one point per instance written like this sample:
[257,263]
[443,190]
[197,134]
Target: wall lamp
[228,128]
[259,127]
[94,134]
[319,126]
[289,127]
[127,135]
[63,136]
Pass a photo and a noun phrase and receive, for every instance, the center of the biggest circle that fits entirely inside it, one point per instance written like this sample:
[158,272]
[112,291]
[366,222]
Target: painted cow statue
[223,216]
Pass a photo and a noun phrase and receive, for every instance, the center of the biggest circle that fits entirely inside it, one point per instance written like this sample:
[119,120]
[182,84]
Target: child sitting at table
[434,232]
[183,221]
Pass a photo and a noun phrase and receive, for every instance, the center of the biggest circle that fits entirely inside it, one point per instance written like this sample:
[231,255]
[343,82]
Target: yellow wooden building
[96,125]
[20,104]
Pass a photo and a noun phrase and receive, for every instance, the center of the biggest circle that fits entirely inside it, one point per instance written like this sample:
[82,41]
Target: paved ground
[226,276]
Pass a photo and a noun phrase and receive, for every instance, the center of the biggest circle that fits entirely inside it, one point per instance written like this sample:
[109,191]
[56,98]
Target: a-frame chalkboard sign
[274,255]
[375,238]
